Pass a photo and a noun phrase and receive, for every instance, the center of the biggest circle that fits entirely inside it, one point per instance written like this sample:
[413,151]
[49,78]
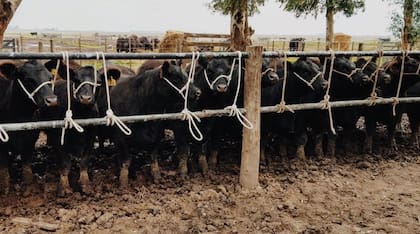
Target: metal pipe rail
[200,114]
[268,54]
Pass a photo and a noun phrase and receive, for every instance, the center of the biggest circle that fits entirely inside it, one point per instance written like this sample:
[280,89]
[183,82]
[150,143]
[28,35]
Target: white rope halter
[31,95]
[234,111]
[111,118]
[227,77]
[68,120]
[397,95]
[308,83]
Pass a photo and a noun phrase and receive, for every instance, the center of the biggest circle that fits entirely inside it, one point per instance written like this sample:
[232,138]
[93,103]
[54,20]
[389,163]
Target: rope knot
[69,123]
[326,102]
[282,107]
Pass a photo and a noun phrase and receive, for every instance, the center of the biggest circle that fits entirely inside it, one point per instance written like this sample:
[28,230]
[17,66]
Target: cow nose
[365,78]
[198,92]
[85,99]
[51,101]
[274,77]
[221,88]
[324,84]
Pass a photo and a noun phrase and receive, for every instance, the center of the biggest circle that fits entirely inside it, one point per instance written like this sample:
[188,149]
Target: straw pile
[342,42]
[172,42]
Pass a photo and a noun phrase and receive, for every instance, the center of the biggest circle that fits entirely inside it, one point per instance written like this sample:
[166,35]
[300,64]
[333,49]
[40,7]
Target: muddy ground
[380,194]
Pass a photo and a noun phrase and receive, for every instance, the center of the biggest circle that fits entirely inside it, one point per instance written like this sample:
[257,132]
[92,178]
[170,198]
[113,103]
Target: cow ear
[8,71]
[113,75]
[164,70]
[62,71]
[374,58]
[203,61]
[289,64]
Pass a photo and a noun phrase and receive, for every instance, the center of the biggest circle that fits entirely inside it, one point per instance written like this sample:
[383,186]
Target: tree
[239,10]
[330,7]
[7,10]
[406,26]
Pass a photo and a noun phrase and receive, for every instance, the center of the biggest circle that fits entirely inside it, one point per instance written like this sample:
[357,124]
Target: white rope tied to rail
[397,96]
[187,114]
[282,105]
[326,102]
[68,120]
[234,111]
[228,77]
[4,137]
[373,95]
[111,118]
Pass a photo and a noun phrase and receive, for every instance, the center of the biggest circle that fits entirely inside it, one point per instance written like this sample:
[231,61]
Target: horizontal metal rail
[200,114]
[268,54]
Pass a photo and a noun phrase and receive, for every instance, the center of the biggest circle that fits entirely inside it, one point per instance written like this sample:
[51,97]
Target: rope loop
[191,117]
[111,118]
[68,120]
[69,123]
[397,96]
[4,137]
[234,111]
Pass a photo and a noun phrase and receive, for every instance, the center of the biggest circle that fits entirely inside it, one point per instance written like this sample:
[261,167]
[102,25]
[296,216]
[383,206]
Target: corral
[292,189]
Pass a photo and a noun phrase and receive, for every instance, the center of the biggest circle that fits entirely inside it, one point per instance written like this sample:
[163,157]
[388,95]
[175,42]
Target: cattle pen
[252,103]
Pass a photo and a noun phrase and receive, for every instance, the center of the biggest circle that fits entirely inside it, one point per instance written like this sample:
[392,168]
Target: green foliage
[315,7]
[227,6]
[397,21]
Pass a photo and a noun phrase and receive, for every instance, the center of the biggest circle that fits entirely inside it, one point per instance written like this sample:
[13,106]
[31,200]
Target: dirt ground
[380,195]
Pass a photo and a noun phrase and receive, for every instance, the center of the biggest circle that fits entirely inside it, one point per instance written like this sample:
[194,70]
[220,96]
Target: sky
[185,15]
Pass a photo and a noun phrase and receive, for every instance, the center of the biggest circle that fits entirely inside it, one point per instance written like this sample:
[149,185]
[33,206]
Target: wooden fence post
[40,46]
[250,160]
[51,45]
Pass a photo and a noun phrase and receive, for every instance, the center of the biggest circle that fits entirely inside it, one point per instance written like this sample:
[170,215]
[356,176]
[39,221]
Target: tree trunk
[329,36]
[406,37]
[240,33]
[7,10]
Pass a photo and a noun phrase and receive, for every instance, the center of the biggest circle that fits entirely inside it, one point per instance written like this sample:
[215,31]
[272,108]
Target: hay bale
[172,42]
[342,42]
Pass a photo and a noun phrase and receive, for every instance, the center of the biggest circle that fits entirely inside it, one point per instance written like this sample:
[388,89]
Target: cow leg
[84,176]
[65,166]
[283,150]
[319,151]
[370,131]
[4,173]
[183,153]
[154,166]
[202,158]
[124,158]
[331,145]
[414,127]
[391,137]
[301,141]
[27,175]
[213,159]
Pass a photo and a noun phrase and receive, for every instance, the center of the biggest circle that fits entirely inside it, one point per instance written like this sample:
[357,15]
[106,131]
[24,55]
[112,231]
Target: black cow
[151,92]
[388,87]
[413,113]
[304,83]
[346,80]
[24,89]
[76,144]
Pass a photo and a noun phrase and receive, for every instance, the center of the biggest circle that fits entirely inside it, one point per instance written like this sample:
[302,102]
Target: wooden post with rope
[250,161]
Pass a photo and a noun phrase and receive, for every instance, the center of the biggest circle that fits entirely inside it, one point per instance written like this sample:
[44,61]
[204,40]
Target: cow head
[370,68]
[308,74]
[83,83]
[269,76]
[345,68]
[33,79]
[217,73]
[175,80]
